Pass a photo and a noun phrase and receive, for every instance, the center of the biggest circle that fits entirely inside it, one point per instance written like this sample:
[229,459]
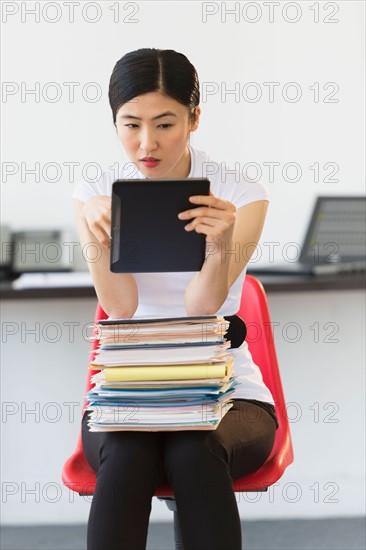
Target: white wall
[303,132]
[226,49]
[323,374]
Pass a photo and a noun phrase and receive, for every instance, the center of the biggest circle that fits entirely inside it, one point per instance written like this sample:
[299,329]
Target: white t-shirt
[162,294]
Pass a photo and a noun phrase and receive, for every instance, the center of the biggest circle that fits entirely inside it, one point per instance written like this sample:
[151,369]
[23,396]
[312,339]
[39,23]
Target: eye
[165,125]
[131,125]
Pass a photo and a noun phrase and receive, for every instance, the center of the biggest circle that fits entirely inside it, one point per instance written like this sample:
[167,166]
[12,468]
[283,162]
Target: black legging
[199,465]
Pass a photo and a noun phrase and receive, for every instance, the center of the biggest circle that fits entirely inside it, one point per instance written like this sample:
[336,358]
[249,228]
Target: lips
[150,162]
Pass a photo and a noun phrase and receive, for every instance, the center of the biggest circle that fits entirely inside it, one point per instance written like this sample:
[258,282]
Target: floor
[324,534]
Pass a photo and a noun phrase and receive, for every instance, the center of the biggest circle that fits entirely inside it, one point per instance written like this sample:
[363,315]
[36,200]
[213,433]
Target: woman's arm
[117,292]
[227,257]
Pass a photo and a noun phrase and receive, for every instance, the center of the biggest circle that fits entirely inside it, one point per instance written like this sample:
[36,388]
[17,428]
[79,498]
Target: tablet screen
[146,234]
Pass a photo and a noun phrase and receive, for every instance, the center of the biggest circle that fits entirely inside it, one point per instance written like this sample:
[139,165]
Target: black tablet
[146,234]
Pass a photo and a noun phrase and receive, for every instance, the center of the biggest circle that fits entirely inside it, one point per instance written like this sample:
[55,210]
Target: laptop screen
[337,231]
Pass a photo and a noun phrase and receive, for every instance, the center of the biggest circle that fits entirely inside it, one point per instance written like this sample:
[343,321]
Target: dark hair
[151,70]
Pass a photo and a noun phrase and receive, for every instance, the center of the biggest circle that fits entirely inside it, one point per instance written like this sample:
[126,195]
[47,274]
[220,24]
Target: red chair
[79,476]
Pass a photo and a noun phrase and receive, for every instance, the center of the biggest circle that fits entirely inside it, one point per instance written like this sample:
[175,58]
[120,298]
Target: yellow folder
[189,372]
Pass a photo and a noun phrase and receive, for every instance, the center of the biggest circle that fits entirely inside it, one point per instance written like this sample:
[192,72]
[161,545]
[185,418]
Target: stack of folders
[159,374]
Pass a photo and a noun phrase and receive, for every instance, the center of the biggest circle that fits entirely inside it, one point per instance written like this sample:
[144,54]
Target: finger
[104,240]
[202,199]
[210,201]
[201,221]
[201,227]
[102,237]
[106,230]
[200,211]
[218,206]
[106,226]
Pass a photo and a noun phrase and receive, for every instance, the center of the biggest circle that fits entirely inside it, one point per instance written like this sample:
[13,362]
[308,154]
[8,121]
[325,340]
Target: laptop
[335,240]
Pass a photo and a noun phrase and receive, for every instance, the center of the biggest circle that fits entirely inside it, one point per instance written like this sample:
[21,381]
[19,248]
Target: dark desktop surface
[296,282]
[271,283]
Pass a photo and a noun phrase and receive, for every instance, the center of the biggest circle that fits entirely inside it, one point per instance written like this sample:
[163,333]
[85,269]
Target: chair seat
[78,476]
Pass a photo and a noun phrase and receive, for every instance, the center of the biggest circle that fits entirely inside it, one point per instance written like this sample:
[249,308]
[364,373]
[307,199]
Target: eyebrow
[167,113]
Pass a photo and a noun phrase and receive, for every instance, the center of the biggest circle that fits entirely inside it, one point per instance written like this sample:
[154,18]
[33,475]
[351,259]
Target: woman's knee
[187,452]
[130,450]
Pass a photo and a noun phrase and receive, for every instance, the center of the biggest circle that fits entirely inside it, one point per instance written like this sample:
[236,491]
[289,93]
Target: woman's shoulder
[101,183]
[234,182]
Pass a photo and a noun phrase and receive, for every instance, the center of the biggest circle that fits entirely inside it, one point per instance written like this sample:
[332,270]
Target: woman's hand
[215,218]
[97,214]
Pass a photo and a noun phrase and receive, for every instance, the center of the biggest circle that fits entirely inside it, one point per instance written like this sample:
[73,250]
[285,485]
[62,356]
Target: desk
[319,337]
[271,283]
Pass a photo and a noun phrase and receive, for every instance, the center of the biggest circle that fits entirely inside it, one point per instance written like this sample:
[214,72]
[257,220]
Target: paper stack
[159,374]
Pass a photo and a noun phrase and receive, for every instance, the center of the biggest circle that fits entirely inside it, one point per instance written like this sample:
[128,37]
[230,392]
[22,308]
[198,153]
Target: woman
[154,96]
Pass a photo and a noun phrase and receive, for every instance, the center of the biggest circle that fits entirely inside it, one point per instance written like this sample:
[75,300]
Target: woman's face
[154,131]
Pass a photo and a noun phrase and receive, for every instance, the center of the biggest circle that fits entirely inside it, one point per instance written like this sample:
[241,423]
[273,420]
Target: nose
[148,140]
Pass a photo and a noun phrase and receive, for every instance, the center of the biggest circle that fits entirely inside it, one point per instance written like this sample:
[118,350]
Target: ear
[195,119]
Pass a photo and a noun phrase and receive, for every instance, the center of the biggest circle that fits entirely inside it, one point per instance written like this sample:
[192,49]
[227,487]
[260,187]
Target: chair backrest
[77,474]
[255,312]
[99,315]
